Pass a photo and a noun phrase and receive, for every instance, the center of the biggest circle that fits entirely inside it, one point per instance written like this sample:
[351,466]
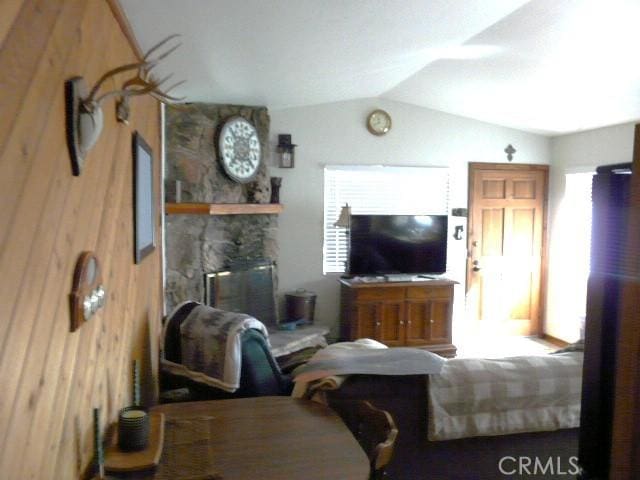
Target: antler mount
[84,115]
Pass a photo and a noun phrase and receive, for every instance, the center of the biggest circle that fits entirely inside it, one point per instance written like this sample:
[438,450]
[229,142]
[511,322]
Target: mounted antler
[84,114]
[145,82]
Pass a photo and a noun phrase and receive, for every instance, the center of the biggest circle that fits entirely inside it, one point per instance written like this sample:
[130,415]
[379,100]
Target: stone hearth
[201,243]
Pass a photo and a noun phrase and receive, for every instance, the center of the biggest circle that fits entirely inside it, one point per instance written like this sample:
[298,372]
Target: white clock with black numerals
[239,149]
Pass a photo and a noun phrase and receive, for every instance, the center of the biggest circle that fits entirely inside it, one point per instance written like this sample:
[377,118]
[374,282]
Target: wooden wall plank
[30,245]
[52,377]
[29,154]
[21,55]
[9,13]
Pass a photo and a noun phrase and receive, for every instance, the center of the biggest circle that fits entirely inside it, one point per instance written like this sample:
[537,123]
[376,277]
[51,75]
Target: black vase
[276,182]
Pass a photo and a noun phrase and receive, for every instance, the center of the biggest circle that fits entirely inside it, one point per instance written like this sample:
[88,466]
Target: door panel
[418,314]
[492,228]
[367,316]
[439,322]
[391,330]
[506,246]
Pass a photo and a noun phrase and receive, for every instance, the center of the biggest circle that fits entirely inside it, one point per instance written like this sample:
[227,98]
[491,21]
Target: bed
[461,422]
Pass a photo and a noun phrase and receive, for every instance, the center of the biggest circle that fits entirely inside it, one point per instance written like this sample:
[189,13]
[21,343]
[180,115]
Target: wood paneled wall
[50,379]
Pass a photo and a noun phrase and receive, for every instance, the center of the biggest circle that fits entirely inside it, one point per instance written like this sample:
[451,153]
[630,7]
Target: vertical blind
[378,190]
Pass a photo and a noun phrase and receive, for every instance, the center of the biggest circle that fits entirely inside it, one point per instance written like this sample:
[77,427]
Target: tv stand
[416,313]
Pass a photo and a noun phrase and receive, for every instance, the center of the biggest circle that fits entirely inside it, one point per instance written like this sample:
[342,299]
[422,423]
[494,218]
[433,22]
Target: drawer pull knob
[432,321]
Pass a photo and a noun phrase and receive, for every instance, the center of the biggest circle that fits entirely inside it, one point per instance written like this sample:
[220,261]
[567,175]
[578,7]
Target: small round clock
[239,149]
[379,122]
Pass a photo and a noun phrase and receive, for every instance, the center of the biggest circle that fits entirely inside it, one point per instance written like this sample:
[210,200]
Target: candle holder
[276,183]
[133,429]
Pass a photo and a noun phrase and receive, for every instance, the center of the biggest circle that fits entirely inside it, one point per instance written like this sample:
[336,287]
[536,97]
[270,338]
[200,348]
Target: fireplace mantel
[223,208]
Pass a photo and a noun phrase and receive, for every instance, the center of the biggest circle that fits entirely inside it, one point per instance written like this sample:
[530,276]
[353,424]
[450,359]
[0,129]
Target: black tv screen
[388,244]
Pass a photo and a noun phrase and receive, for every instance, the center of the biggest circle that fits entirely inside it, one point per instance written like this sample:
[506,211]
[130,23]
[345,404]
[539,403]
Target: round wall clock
[379,122]
[239,149]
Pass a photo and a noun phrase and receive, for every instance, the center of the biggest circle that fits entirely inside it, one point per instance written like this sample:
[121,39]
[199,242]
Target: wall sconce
[84,117]
[285,150]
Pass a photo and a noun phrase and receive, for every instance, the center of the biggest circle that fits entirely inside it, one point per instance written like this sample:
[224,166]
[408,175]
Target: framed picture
[143,199]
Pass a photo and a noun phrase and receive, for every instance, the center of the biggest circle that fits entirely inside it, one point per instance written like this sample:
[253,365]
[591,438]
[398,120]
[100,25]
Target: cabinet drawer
[419,293]
[380,293]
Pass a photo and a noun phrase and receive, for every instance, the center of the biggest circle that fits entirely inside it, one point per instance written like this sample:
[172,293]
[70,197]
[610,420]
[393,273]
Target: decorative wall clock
[379,122]
[239,149]
[88,294]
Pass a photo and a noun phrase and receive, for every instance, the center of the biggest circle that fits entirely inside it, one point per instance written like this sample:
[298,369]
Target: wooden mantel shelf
[223,208]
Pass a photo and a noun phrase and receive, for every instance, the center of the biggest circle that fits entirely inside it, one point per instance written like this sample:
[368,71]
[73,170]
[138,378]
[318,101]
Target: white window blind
[378,190]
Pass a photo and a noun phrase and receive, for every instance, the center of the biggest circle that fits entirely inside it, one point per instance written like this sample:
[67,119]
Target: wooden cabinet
[412,314]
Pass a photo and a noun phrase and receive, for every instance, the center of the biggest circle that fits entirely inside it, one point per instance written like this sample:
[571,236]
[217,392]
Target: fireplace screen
[246,289]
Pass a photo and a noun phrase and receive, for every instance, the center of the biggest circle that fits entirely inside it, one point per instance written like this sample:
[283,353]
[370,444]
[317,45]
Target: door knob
[476,266]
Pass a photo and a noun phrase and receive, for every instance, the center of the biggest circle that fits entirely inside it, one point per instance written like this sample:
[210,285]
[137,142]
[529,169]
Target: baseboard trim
[556,341]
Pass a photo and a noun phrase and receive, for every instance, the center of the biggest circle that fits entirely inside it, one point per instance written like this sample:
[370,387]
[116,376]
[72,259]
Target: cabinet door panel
[392,324]
[439,321]
[417,327]
[367,320]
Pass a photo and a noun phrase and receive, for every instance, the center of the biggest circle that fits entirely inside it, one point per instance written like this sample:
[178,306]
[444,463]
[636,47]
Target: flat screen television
[398,244]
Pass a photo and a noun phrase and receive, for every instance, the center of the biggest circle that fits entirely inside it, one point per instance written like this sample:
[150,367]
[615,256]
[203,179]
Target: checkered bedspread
[481,397]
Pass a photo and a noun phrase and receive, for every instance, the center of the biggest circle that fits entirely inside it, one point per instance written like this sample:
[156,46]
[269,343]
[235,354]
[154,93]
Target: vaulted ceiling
[546,66]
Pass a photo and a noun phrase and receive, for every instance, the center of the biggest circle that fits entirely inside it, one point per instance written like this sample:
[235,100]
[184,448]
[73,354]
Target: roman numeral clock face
[239,149]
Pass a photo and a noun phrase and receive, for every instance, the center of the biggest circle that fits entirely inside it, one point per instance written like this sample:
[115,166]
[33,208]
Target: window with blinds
[377,190]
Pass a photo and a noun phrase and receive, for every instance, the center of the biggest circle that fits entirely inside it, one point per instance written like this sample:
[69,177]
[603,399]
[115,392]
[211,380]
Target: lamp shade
[344,220]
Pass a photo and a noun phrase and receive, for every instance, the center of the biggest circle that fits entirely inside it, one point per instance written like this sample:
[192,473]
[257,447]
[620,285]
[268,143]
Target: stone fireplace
[199,244]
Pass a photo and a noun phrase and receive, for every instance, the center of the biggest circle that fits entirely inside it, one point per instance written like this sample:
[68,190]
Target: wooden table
[271,438]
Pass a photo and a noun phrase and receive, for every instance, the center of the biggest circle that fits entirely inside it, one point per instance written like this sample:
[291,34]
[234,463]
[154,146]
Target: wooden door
[507,224]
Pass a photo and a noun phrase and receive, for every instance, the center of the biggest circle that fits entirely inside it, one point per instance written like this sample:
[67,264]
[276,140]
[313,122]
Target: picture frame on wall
[143,195]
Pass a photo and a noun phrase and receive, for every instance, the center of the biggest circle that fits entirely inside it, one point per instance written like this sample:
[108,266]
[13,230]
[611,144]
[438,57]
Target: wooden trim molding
[553,340]
[508,166]
[125,26]
[223,208]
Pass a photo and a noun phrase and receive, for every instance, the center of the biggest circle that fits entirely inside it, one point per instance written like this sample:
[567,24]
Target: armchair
[259,372]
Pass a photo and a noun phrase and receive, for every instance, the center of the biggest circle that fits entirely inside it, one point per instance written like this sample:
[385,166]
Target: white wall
[336,134]
[578,152]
